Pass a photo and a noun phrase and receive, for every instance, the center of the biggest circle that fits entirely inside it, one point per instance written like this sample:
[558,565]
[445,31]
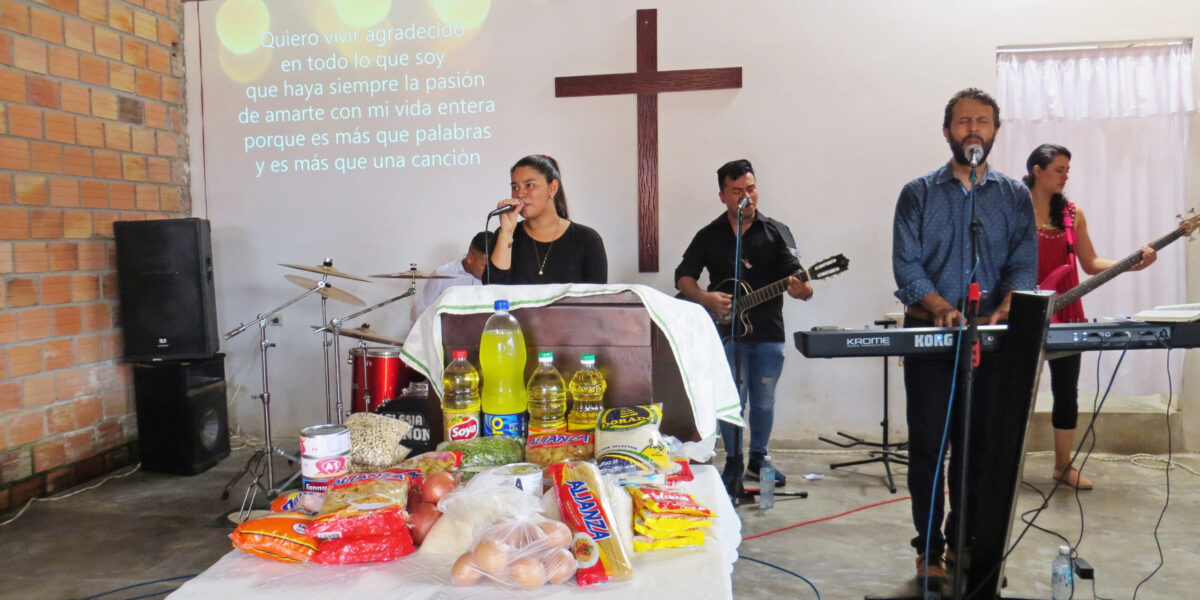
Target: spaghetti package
[585,507]
[366,549]
[308,503]
[365,503]
[281,536]
[628,441]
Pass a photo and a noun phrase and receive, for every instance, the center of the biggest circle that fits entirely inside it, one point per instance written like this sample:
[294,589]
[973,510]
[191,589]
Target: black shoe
[756,464]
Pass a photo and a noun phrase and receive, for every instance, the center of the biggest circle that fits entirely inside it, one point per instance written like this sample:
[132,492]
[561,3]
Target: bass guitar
[1065,299]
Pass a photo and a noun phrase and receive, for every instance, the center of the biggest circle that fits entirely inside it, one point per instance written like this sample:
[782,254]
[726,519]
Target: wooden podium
[630,350]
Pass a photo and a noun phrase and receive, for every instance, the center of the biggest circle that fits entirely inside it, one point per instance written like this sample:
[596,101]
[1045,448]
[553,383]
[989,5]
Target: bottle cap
[545,356]
[587,358]
[500,305]
[1064,549]
[457,354]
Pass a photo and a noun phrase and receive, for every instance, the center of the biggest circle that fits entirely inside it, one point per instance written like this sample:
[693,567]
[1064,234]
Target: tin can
[316,484]
[324,440]
[526,477]
[324,467]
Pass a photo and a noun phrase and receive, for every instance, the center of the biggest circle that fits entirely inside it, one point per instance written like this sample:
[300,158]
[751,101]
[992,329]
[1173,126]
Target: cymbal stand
[262,320]
[325,343]
[335,325]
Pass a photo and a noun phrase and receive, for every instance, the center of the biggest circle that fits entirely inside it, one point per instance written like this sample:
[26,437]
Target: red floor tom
[385,375]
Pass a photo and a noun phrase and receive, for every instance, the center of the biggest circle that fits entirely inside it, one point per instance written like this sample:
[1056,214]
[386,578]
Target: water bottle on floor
[1062,577]
[766,492]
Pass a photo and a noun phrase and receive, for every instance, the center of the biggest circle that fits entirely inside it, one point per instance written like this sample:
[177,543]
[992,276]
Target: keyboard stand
[887,452]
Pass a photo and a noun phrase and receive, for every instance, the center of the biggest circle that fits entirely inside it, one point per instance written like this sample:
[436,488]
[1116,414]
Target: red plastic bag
[372,548]
[376,522]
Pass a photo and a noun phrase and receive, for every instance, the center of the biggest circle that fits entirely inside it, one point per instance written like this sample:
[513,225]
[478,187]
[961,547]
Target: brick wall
[91,132]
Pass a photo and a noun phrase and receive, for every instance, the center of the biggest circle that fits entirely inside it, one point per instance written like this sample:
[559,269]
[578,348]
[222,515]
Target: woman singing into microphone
[546,247]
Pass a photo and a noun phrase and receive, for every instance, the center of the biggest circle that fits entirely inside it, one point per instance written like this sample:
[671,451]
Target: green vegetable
[489,451]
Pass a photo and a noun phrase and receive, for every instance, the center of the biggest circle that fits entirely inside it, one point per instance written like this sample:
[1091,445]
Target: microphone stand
[968,362]
[734,486]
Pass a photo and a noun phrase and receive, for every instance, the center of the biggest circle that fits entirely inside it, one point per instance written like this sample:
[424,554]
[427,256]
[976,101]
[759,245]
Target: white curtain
[1124,115]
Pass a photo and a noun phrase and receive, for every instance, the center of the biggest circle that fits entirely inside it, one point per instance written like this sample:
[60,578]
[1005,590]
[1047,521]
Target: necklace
[538,259]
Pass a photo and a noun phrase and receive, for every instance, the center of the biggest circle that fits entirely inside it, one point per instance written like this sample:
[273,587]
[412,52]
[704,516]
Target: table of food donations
[688,372]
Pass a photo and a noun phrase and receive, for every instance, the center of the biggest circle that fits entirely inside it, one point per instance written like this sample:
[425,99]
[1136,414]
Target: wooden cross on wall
[647,83]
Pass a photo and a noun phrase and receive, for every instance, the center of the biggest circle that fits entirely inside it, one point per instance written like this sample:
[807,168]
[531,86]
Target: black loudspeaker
[165,278]
[183,423]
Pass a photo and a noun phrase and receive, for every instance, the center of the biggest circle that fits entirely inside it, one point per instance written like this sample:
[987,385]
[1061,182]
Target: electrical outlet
[275,320]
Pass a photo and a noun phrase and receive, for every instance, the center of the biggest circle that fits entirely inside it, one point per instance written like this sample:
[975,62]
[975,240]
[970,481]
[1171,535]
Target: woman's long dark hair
[1042,156]
[548,167]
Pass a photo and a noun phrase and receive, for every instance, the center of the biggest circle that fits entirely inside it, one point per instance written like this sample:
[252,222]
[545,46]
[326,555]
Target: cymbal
[413,273]
[365,334]
[329,291]
[326,270]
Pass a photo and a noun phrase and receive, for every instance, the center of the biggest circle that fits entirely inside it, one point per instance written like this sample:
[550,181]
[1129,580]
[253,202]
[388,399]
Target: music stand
[887,452]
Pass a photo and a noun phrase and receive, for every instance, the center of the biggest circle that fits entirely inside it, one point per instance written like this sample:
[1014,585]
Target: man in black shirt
[768,255]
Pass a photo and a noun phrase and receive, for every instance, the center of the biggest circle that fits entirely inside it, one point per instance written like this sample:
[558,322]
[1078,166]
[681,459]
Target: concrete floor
[149,526]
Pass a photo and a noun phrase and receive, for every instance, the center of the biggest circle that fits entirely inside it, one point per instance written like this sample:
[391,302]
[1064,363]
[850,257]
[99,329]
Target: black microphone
[743,203]
[974,154]
[504,209]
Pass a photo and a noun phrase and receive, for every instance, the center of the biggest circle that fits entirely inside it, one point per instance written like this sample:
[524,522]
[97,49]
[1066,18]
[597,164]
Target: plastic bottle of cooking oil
[547,397]
[587,395]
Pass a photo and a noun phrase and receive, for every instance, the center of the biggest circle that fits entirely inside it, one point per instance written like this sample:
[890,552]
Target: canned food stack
[324,455]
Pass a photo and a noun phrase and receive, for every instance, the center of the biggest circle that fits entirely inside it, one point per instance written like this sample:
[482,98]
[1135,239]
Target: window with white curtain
[1123,110]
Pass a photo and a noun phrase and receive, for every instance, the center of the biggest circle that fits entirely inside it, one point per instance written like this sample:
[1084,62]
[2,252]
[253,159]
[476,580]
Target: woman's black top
[577,256]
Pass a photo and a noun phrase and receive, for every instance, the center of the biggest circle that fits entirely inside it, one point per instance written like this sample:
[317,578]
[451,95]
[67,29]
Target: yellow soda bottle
[502,358]
[587,395]
[460,399]
[547,397]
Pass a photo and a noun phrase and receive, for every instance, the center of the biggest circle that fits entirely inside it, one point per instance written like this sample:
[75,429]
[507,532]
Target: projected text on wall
[353,94]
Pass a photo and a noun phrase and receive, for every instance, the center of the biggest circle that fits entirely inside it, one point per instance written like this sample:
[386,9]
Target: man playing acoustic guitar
[768,254]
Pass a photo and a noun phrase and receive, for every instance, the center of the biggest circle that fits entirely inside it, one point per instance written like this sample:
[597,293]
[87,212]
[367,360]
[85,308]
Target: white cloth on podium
[687,326]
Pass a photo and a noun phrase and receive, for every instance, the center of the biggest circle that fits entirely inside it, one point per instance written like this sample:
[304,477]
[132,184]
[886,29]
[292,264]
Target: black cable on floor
[792,573]
[129,587]
[1167,471]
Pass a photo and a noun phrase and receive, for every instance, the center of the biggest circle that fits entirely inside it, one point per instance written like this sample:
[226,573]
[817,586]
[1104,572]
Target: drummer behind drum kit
[379,374]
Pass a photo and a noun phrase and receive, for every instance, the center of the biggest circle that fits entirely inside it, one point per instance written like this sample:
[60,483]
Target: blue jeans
[762,362]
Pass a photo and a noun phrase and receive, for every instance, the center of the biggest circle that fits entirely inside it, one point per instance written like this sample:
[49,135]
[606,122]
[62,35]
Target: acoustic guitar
[749,298]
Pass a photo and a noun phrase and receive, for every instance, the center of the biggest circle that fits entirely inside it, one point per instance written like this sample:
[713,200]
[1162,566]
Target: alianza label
[589,510]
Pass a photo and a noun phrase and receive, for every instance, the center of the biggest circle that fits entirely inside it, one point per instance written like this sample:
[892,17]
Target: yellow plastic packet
[664,500]
[642,543]
[667,526]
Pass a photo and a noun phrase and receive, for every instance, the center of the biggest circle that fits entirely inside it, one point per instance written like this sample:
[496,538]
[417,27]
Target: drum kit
[379,374]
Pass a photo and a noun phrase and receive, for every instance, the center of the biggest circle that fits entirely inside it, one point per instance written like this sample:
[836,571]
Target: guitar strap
[1051,280]
[1069,226]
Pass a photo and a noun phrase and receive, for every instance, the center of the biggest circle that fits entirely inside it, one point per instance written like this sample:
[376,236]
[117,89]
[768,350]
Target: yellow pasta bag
[585,508]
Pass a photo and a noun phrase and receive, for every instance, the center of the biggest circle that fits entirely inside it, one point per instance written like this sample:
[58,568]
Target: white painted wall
[841,104]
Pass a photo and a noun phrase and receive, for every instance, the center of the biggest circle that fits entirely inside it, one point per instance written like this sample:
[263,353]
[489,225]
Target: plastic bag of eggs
[525,552]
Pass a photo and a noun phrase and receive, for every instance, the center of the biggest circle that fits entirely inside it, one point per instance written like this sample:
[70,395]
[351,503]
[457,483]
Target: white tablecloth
[694,573]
